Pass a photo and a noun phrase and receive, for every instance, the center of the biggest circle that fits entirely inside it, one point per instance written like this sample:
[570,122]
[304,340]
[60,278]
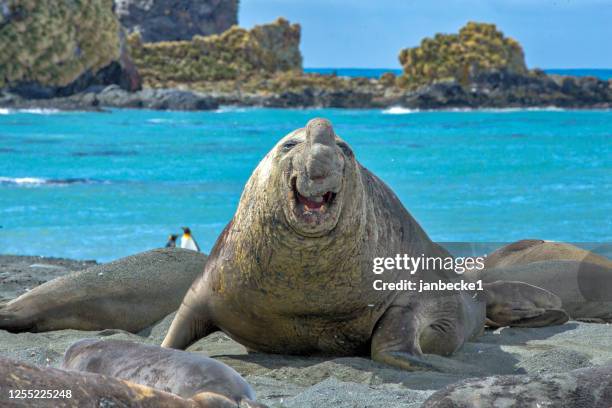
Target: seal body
[292,272]
[178,372]
[79,389]
[584,387]
[130,294]
[581,279]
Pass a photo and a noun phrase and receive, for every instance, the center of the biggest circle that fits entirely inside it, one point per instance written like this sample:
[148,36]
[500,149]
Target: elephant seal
[54,388]
[130,294]
[584,387]
[292,272]
[178,372]
[581,279]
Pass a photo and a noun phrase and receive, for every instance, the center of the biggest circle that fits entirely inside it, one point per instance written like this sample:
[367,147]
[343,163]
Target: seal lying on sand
[179,372]
[55,388]
[292,272]
[581,279]
[130,294]
[585,387]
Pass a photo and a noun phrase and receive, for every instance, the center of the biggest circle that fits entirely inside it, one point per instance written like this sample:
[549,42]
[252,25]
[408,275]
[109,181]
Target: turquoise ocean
[105,185]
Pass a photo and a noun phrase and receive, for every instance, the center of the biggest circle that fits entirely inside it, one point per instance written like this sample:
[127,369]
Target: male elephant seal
[178,372]
[581,279]
[130,294]
[28,386]
[292,272]
[584,387]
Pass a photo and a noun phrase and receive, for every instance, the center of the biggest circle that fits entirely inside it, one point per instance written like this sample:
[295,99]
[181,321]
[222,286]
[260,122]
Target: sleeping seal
[130,294]
[585,387]
[292,272]
[581,279]
[178,372]
[29,386]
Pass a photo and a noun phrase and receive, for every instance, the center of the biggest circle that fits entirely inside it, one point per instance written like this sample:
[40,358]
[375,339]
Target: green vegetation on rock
[478,47]
[53,42]
[235,54]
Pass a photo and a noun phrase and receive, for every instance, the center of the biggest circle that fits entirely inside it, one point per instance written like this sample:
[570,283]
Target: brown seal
[53,388]
[130,294]
[178,372]
[585,387]
[293,271]
[580,278]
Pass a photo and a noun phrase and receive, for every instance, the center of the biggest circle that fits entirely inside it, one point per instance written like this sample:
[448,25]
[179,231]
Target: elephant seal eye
[345,148]
[289,145]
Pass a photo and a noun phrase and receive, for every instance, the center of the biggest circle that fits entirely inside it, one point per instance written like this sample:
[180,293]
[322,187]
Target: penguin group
[187,240]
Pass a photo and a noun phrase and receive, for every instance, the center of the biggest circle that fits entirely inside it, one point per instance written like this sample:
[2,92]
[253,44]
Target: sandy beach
[290,381]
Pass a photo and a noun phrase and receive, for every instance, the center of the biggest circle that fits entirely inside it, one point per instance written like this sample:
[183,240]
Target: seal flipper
[520,304]
[190,324]
[397,337]
[13,322]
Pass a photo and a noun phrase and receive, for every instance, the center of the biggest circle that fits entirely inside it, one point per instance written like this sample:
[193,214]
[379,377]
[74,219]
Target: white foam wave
[39,181]
[33,111]
[22,180]
[160,120]
[524,109]
[398,110]
[230,109]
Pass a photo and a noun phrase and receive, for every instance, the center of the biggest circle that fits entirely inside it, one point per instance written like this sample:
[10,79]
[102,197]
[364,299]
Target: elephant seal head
[310,179]
[314,171]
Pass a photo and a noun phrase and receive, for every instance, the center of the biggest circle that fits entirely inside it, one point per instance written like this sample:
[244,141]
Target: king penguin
[187,240]
[171,241]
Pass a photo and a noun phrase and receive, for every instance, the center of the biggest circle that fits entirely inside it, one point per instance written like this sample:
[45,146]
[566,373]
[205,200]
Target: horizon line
[400,68]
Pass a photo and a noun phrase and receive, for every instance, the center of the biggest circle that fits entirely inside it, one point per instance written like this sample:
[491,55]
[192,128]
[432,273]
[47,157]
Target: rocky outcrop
[496,89]
[173,20]
[56,48]
[233,55]
[114,97]
[503,89]
[477,48]
[477,68]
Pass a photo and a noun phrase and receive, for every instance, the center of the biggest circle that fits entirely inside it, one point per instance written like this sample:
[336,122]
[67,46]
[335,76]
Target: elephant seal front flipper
[130,294]
[519,304]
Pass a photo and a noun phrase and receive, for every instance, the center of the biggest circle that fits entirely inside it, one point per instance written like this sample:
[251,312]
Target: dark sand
[287,381]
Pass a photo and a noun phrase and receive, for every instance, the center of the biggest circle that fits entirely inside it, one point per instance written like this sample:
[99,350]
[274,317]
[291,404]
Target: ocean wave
[33,111]
[160,120]
[524,109]
[398,110]
[503,110]
[230,109]
[38,181]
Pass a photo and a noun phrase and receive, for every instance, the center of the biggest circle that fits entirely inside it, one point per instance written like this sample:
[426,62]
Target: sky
[370,34]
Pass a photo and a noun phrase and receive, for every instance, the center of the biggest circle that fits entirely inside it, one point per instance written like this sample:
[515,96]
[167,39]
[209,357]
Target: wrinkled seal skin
[130,294]
[88,390]
[285,279]
[585,387]
[178,372]
[581,279]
